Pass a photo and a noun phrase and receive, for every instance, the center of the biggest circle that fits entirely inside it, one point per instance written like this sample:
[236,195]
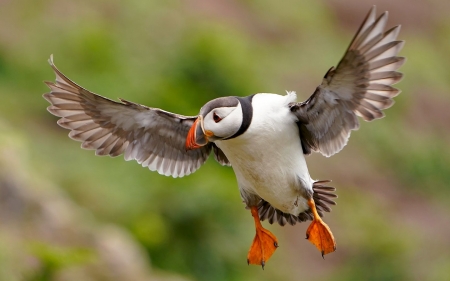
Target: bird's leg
[264,244]
[319,233]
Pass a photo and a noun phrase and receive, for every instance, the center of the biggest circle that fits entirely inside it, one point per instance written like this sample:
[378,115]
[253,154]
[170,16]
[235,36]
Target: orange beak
[196,138]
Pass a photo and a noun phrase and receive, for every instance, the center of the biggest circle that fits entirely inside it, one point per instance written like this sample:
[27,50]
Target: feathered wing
[359,86]
[153,137]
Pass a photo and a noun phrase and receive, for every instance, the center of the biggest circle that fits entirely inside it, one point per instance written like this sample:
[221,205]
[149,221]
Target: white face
[222,122]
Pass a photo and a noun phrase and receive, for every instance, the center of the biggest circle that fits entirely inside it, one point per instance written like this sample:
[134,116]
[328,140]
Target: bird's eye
[216,118]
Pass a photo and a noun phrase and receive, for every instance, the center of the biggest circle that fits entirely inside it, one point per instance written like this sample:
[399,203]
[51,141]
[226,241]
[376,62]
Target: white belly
[268,159]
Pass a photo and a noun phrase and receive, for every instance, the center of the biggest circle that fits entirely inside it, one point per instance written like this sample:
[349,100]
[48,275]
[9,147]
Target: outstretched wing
[359,86]
[153,137]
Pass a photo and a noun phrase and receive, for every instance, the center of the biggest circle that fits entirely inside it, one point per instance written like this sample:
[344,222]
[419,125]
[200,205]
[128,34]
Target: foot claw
[263,264]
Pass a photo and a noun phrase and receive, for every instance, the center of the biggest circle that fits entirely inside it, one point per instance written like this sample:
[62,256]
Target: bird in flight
[263,137]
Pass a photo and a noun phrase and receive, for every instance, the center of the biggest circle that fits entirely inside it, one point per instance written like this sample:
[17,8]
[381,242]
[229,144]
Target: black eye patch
[216,118]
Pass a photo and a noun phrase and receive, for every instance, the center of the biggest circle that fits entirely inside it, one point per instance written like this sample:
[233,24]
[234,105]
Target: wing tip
[50,60]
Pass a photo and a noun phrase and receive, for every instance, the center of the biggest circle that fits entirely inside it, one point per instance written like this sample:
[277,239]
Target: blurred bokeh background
[66,214]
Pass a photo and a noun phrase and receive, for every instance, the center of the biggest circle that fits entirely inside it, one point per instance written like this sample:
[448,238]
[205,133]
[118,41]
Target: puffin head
[218,119]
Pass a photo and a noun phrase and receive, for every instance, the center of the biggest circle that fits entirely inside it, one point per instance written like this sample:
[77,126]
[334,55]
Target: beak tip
[191,140]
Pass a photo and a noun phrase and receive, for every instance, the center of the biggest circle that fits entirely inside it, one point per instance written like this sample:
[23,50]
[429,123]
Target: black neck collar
[247,115]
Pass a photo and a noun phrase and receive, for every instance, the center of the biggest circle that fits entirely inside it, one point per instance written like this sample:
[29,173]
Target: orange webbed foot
[319,233]
[264,244]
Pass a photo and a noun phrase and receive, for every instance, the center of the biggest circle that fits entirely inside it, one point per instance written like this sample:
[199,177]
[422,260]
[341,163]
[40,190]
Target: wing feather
[359,86]
[153,137]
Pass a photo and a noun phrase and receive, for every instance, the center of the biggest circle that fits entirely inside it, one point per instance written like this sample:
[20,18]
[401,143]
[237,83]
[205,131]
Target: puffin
[263,137]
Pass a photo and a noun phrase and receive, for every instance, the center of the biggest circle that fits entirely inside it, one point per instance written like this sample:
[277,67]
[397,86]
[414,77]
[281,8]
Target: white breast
[268,159]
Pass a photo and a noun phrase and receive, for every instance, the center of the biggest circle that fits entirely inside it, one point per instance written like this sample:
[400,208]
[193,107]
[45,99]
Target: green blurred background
[68,215]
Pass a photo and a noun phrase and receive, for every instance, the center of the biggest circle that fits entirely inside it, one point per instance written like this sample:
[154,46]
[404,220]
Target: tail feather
[323,197]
